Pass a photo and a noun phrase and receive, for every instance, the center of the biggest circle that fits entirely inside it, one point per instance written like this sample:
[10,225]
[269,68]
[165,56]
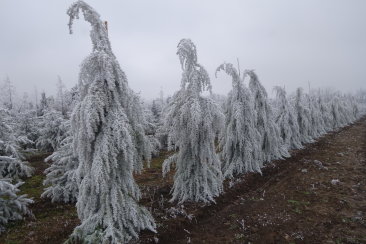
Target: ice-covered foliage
[316,119]
[219,99]
[109,142]
[71,98]
[60,99]
[158,112]
[161,130]
[26,128]
[354,107]
[303,117]
[271,142]
[7,94]
[135,113]
[14,121]
[65,99]
[360,100]
[60,176]
[11,164]
[43,105]
[157,135]
[12,206]
[325,112]
[193,122]
[152,125]
[346,110]
[240,140]
[286,121]
[336,111]
[25,104]
[156,109]
[52,130]
[162,134]
[61,181]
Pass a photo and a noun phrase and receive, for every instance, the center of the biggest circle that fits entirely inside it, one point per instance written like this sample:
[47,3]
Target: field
[316,196]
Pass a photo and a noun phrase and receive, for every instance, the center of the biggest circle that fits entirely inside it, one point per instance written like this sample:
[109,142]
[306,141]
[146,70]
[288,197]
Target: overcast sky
[287,42]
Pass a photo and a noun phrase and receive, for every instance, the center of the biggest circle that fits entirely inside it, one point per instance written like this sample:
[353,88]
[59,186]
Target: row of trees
[26,126]
[251,130]
[12,168]
[62,101]
[110,133]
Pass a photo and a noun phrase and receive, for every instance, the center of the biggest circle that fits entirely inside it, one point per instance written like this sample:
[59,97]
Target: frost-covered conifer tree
[317,122]
[8,91]
[135,113]
[25,104]
[360,99]
[9,148]
[219,99]
[346,110]
[271,142]
[12,206]
[240,142]
[71,98]
[156,109]
[303,117]
[354,107]
[26,129]
[193,122]
[53,130]
[109,142]
[43,106]
[151,127]
[337,117]
[60,96]
[287,121]
[60,176]
[162,133]
[325,112]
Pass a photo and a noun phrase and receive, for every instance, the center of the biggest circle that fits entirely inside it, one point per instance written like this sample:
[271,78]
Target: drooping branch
[99,32]
[195,76]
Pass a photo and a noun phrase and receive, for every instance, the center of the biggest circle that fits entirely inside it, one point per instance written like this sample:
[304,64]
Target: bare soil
[316,196]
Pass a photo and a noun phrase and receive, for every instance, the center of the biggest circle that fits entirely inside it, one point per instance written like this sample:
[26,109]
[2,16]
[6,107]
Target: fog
[288,43]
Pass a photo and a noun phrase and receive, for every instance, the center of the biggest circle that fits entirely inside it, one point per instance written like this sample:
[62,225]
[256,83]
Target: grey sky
[287,42]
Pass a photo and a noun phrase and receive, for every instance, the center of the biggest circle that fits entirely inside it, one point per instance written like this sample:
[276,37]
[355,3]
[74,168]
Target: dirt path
[316,196]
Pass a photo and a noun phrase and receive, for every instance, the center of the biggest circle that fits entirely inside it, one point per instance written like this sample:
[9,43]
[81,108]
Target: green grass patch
[157,162]
[33,186]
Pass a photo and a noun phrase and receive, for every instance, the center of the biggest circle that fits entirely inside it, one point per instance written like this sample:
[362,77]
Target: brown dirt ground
[294,201]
